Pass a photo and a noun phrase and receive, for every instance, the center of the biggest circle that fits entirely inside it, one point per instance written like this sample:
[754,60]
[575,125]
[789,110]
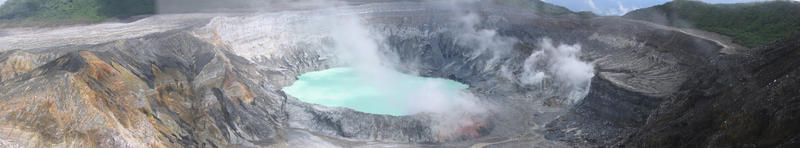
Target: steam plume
[561,63]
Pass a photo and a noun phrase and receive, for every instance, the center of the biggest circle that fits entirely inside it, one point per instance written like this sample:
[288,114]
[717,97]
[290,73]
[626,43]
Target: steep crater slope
[747,100]
[218,84]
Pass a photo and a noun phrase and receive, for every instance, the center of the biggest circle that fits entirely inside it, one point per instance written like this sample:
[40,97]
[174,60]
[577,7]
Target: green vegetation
[543,8]
[60,12]
[749,24]
[72,11]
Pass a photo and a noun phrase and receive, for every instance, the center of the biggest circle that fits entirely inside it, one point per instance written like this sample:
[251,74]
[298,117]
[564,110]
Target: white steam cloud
[557,69]
[592,5]
[360,46]
[365,49]
[483,40]
[562,63]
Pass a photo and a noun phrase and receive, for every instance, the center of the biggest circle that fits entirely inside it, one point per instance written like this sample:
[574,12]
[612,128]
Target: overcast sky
[619,7]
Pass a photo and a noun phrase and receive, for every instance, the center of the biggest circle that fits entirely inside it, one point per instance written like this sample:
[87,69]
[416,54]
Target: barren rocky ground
[214,80]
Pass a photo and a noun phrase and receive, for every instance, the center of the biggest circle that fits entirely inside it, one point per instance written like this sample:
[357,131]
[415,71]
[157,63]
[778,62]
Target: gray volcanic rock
[214,81]
[747,100]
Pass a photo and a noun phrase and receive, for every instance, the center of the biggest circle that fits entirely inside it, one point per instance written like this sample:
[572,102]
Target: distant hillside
[59,11]
[544,8]
[750,24]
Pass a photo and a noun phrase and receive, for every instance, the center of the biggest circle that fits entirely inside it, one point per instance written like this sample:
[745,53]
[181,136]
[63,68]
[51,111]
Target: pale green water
[397,94]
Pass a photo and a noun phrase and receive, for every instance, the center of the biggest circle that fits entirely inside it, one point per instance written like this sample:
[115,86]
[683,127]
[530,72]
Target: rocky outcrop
[15,63]
[152,91]
[215,81]
[738,101]
[638,65]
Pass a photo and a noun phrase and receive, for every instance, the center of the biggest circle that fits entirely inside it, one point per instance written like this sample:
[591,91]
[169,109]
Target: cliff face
[161,90]
[739,101]
[214,80]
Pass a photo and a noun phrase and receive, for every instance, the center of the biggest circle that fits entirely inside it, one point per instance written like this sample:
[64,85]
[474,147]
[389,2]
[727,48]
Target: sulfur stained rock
[215,82]
[88,98]
[15,63]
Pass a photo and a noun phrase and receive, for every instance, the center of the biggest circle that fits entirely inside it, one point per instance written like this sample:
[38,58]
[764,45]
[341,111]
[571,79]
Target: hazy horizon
[620,7]
[610,7]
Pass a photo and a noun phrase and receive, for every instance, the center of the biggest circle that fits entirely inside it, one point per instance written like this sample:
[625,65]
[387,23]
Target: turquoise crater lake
[394,93]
